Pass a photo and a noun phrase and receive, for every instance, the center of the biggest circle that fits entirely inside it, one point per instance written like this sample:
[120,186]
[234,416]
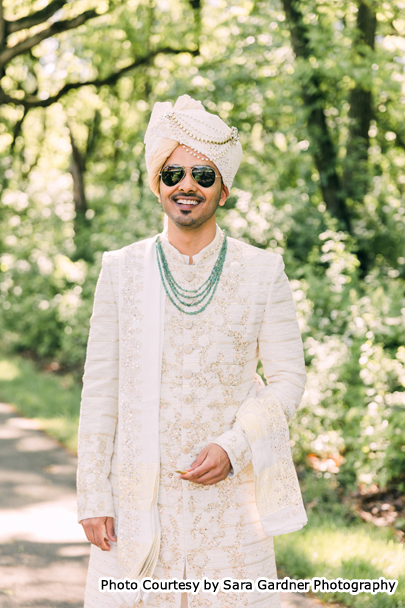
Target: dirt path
[43,551]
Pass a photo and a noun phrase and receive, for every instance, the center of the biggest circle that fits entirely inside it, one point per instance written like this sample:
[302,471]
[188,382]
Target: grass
[52,400]
[334,543]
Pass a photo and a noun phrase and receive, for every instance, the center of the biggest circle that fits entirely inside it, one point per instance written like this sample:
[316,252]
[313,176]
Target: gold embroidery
[214,528]
[213,531]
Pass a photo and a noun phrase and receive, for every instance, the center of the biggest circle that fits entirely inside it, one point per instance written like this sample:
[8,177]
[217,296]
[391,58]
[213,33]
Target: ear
[224,195]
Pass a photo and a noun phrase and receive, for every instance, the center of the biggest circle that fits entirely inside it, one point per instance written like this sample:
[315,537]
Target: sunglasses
[204,175]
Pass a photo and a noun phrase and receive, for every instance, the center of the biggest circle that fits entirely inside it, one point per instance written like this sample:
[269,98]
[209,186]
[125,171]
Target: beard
[194,218]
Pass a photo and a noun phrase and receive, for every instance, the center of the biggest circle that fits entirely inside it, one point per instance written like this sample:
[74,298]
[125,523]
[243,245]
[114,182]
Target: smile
[186,201]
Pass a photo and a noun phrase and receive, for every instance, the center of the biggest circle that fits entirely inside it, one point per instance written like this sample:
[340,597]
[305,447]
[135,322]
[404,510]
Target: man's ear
[224,195]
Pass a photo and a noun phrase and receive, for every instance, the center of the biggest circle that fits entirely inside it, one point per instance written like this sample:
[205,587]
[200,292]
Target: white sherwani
[208,367]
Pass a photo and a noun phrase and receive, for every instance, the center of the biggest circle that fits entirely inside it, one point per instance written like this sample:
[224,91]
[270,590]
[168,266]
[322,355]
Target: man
[183,453]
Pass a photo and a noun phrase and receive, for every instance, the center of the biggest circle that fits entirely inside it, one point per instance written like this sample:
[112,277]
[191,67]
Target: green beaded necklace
[205,291]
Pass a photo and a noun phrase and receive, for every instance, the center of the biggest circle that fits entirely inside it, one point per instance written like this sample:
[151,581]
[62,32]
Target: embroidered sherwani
[208,368]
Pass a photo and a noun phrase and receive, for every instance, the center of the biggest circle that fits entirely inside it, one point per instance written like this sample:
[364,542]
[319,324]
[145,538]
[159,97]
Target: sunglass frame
[192,167]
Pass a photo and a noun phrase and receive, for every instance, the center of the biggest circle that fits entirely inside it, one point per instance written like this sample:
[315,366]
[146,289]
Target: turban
[188,123]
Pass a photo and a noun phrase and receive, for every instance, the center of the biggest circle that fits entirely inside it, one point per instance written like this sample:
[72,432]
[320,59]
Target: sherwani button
[186,450]
[187,373]
[189,275]
[188,348]
[187,399]
[188,324]
[172,497]
[186,424]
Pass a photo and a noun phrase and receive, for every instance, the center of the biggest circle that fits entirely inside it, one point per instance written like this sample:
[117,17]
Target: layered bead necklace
[189,298]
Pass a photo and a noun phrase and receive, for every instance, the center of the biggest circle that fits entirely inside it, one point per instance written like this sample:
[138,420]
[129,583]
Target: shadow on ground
[43,550]
[42,574]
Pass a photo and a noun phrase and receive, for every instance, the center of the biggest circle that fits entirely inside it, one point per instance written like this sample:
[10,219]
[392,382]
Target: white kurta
[208,368]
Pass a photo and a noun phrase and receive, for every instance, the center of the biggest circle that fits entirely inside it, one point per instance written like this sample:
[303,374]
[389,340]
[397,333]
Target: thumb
[109,528]
[199,460]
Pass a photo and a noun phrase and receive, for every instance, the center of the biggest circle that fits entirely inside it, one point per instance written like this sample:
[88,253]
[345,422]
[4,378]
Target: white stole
[277,491]
[141,321]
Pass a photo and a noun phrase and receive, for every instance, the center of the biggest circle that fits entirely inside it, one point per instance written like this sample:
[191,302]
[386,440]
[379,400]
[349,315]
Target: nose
[187,184]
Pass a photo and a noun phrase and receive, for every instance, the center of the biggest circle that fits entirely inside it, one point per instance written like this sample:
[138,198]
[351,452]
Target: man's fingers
[87,533]
[94,530]
[209,478]
[109,528]
[99,539]
[103,543]
[211,466]
[200,470]
[199,460]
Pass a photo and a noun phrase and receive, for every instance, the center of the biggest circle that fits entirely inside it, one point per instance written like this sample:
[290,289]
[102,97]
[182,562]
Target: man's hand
[96,530]
[211,466]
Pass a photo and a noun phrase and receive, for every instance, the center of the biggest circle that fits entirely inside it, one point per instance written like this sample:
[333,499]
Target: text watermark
[231,585]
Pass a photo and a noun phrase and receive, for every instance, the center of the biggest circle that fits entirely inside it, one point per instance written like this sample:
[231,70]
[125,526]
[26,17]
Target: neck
[190,242]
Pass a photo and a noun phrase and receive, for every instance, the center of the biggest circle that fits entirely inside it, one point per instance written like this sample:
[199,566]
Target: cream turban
[188,123]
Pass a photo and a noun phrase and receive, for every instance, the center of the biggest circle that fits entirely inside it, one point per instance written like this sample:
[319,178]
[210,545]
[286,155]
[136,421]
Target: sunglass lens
[172,175]
[204,176]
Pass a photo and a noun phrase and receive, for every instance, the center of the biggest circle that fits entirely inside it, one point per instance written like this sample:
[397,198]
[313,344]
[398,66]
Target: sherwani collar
[207,255]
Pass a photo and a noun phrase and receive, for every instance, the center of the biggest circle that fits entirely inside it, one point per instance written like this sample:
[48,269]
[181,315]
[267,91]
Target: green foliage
[322,549]
[53,400]
[337,543]
[349,288]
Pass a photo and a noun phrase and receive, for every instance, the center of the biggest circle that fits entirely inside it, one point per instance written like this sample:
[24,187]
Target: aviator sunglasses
[203,175]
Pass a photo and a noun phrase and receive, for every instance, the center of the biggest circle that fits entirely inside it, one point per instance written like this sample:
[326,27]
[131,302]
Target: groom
[183,453]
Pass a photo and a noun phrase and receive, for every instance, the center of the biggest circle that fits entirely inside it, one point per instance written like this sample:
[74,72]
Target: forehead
[181,156]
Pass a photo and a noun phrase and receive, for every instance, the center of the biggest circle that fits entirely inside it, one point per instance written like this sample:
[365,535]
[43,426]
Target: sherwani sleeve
[280,345]
[98,414]
[281,353]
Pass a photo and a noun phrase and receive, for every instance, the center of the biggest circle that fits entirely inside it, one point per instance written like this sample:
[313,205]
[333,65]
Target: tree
[316,90]
[354,182]
[20,52]
[43,16]
[323,147]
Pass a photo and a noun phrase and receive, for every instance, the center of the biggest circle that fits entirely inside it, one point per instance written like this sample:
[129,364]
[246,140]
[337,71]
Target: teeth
[182,201]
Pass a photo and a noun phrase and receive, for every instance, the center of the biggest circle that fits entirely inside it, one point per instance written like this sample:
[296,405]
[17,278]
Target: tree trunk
[81,222]
[356,175]
[2,34]
[322,146]
[77,169]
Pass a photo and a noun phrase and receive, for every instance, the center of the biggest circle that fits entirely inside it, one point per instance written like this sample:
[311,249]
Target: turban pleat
[166,148]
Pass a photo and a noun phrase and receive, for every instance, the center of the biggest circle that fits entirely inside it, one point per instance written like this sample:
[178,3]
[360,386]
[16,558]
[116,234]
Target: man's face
[174,199]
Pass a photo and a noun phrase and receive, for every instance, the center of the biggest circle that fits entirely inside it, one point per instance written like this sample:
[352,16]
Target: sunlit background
[317,91]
